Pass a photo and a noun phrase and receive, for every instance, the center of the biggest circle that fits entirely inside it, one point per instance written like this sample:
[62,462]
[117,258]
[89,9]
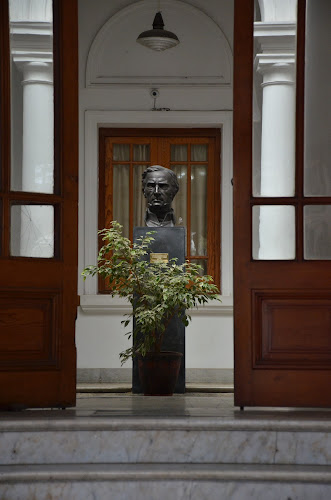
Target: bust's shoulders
[151,220]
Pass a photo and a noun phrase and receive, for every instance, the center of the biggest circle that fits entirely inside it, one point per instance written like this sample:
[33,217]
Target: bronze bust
[160,185]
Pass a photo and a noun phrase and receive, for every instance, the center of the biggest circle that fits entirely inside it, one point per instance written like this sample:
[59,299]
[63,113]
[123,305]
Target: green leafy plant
[157,292]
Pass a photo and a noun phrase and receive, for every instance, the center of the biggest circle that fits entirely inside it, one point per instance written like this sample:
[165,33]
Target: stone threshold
[32,421]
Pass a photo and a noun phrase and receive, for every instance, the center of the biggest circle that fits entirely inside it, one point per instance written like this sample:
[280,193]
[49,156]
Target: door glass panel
[199,210]
[121,183]
[141,152]
[273,232]
[139,201]
[179,203]
[32,231]
[178,152]
[317,103]
[32,102]
[317,232]
[274,99]
[199,152]
[121,152]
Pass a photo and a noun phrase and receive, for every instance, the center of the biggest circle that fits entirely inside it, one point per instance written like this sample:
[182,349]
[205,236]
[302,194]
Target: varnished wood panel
[29,329]
[292,329]
[282,324]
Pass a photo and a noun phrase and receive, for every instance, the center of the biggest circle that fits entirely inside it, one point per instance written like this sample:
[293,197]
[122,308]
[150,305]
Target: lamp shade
[158,38]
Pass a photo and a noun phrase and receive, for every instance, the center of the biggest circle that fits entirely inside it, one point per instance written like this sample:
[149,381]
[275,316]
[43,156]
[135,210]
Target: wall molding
[105,304]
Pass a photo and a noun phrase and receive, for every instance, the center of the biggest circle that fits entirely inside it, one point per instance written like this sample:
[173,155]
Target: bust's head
[160,185]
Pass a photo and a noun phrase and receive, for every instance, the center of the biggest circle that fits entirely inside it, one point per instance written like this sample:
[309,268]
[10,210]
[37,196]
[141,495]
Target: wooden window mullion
[189,191]
[299,125]
[131,193]
[213,218]
[153,150]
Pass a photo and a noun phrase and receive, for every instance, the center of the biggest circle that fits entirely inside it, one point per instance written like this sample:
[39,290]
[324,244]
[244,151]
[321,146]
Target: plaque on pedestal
[169,243]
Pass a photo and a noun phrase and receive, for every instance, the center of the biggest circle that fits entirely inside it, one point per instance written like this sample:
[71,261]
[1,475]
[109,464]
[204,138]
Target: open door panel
[38,207]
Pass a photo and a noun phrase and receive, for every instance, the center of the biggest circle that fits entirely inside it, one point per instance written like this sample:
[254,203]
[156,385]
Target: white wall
[198,100]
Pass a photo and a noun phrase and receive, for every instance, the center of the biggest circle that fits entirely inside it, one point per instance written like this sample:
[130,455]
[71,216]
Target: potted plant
[157,292]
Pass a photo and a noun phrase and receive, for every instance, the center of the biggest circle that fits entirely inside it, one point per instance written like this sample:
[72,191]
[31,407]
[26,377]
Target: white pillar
[31,40]
[278,129]
[37,223]
[277,223]
[38,127]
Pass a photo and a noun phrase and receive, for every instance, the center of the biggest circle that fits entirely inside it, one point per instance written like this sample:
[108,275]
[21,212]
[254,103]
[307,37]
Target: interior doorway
[97,352]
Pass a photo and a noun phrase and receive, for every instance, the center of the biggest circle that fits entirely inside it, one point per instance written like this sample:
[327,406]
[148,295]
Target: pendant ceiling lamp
[158,38]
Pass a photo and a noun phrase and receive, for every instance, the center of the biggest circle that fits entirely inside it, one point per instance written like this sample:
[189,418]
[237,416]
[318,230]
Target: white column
[277,223]
[37,226]
[38,127]
[278,128]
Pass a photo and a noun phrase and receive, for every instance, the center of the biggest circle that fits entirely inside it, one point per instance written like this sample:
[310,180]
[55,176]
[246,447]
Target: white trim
[274,29]
[31,28]
[155,119]
[166,81]
[105,304]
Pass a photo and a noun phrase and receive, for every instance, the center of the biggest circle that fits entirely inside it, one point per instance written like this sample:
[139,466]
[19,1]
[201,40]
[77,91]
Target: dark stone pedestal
[169,240]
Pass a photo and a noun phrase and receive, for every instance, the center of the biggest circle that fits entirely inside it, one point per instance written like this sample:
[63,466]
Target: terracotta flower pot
[158,372]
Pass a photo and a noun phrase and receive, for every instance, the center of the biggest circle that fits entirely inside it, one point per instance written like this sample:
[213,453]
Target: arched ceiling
[202,57]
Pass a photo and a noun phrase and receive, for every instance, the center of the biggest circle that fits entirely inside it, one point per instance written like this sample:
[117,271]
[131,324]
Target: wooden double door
[282,305]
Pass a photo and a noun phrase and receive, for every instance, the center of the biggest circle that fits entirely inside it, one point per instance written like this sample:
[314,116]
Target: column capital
[276,59]
[277,69]
[32,51]
[35,72]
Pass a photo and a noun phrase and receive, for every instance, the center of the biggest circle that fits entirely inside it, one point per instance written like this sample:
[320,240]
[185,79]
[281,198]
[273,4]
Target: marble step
[195,440]
[164,481]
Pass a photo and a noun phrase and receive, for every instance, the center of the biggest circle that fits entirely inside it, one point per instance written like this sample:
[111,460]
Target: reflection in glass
[317,106]
[179,203]
[121,152]
[274,99]
[139,201]
[178,152]
[121,182]
[199,152]
[32,231]
[141,152]
[199,210]
[32,103]
[317,232]
[273,232]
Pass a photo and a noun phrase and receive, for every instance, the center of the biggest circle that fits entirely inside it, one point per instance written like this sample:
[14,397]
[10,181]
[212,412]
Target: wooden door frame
[160,154]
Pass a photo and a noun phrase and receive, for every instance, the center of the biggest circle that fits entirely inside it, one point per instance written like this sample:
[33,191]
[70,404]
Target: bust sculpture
[160,186]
